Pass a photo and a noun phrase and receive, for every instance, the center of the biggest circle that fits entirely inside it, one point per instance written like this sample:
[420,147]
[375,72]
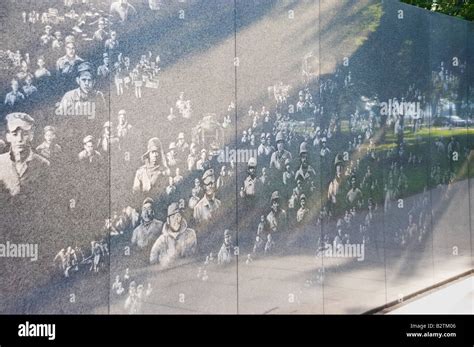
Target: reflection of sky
[455,298]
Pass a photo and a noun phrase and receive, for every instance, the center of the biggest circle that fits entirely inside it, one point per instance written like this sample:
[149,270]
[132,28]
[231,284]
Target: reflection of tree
[447,89]
[458,8]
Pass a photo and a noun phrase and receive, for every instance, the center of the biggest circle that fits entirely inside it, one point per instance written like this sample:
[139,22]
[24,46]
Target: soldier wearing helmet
[207,207]
[305,172]
[279,157]
[155,170]
[251,182]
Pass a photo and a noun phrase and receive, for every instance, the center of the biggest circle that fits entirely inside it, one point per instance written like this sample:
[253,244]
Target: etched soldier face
[275,205]
[210,186]
[89,147]
[304,159]
[147,212]
[153,155]
[41,62]
[252,171]
[121,118]
[50,136]
[15,85]
[175,221]
[86,82]
[280,146]
[71,50]
[19,139]
[227,239]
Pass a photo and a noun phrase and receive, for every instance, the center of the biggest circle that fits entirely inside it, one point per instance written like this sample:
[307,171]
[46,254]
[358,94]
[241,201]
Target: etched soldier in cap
[49,148]
[226,252]
[334,186]
[264,151]
[103,71]
[112,44]
[154,173]
[194,199]
[149,229]
[207,207]
[57,41]
[276,218]
[122,11]
[84,101]
[197,190]
[100,34]
[21,167]
[15,96]
[354,195]
[29,90]
[181,144]
[108,140]
[288,175]
[192,158]
[67,64]
[251,183]
[123,127]
[171,158]
[176,240]
[325,151]
[302,211]
[201,163]
[47,37]
[259,245]
[41,72]
[89,154]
